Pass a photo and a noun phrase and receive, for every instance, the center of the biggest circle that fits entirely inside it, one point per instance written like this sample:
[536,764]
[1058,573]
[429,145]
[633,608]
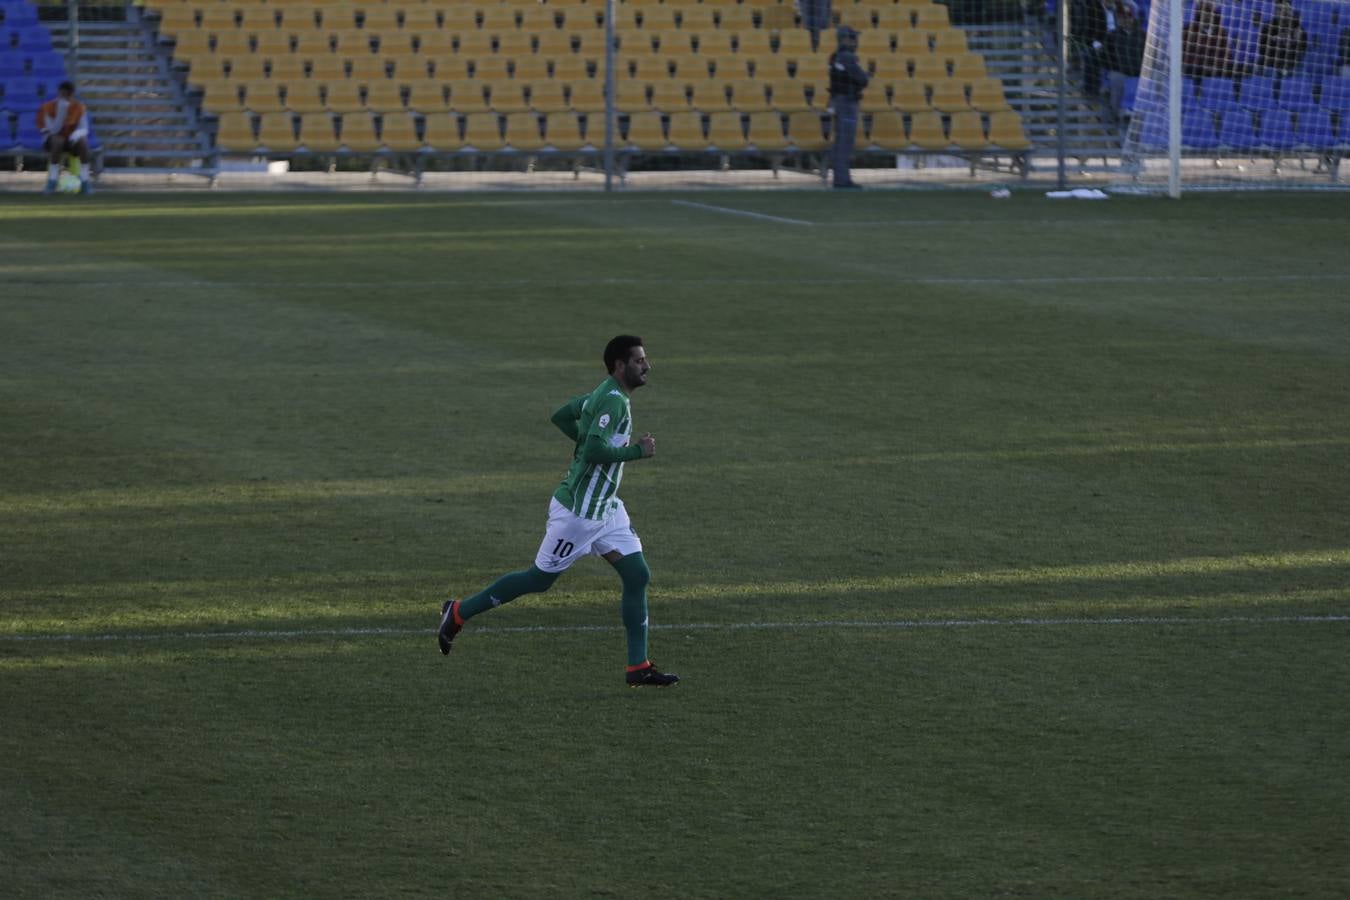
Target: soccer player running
[586,515]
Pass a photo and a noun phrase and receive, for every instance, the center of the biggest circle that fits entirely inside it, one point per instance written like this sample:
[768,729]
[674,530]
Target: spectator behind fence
[1124,53]
[815,17]
[1087,29]
[1204,43]
[1284,43]
[64,123]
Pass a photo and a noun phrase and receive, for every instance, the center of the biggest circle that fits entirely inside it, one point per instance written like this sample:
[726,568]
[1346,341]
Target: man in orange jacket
[64,123]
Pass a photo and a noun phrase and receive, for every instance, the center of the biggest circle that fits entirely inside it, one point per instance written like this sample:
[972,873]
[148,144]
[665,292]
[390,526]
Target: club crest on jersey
[604,420]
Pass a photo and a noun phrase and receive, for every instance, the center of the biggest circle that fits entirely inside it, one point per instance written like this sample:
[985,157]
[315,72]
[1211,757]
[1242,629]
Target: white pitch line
[741,212]
[898,624]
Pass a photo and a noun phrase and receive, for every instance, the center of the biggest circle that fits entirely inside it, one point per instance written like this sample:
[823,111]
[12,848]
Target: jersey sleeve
[566,416]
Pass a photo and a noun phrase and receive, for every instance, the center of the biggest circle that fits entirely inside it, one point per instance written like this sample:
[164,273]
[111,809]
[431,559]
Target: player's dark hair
[65,87]
[618,348]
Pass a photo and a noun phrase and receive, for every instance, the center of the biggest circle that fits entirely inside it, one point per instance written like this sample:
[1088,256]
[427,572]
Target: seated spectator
[64,123]
[1204,44]
[1284,43]
[1124,53]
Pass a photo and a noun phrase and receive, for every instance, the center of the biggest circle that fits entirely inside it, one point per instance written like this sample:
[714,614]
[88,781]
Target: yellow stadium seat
[587,96]
[765,132]
[367,68]
[725,131]
[297,18]
[420,19]
[235,133]
[313,43]
[716,43]
[327,68]
[509,97]
[572,68]
[523,132]
[670,95]
[468,97]
[380,18]
[233,43]
[474,44]
[888,132]
[891,67]
[514,45]
[754,43]
[459,19]
[548,96]
[699,18]
[1005,131]
[644,68]
[796,41]
[498,18]
[430,43]
[258,18]
[398,133]
[967,131]
[554,43]
[927,67]
[219,17]
[645,132]
[986,95]
[563,131]
[351,43]
[876,98]
[276,132]
[272,43]
[966,66]
[631,96]
[442,132]
[482,131]
[318,133]
[244,68]
[411,68]
[384,96]
[491,69]
[709,96]
[788,95]
[191,45]
[427,97]
[454,68]
[530,68]
[806,131]
[339,17]
[948,95]
[358,133]
[286,68]
[735,18]
[908,95]
[948,40]
[750,96]
[931,16]
[262,97]
[175,20]
[221,96]
[304,97]
[686,131]
[343,97]
[925,131]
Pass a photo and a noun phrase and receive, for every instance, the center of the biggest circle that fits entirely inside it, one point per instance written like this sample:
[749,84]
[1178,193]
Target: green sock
[635,574]
[507,588]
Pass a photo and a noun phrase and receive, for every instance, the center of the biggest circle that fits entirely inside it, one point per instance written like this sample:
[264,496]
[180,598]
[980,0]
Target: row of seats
[1273,130]
[1291,93]
[469,19]
[466,96]
[201,42]
[566,132]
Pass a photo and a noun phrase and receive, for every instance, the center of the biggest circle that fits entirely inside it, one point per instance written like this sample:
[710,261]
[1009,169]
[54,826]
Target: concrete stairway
[138,109]
[1016,54]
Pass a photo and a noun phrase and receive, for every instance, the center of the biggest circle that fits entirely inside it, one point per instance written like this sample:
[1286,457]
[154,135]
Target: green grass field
[1002,547]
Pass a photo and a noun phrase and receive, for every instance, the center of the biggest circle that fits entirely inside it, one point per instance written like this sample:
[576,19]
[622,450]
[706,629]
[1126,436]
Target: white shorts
[568,537]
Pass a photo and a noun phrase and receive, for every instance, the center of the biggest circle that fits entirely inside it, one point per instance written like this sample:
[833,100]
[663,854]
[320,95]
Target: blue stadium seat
[34,38]
[1237,131]
[1297,94]
[16,14]
[48,67]
[29,138]
[12,65]
[1336,94]
[6,132]
[1277,130]
[1257,92]
[1197,130]
[1315,130]
[23,96]
[1217,94]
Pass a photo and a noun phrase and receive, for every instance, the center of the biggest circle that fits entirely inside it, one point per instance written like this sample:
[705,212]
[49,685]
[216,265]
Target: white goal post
[1240,94]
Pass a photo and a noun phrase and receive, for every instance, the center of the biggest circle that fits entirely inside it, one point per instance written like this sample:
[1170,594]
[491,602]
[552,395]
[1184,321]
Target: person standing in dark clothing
[848,80]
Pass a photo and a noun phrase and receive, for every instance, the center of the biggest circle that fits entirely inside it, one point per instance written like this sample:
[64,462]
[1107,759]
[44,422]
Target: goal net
[1241,94]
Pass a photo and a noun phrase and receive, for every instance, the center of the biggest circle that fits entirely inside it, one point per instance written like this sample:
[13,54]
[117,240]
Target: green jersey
[601,423]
